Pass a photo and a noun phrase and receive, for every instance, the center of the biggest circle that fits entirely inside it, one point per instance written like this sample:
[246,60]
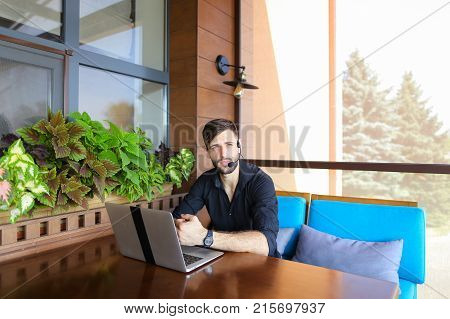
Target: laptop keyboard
[188,259]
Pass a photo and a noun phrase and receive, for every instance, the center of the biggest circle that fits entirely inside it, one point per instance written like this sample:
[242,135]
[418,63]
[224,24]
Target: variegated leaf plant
[21,182]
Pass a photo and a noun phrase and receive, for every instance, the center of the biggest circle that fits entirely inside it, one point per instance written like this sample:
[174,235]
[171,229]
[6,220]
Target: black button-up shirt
[254,205]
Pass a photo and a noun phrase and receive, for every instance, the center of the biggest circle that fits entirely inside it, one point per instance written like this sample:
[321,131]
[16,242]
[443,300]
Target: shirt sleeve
[265,211]
[193,201]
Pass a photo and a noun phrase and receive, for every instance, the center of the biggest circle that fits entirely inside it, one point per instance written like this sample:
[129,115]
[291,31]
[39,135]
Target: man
[240,199]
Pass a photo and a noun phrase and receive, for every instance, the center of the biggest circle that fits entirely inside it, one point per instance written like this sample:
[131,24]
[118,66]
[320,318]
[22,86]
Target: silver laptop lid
[163,238]
[125,230]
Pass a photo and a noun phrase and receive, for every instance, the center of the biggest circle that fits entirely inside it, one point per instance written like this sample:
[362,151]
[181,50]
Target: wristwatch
[208,240]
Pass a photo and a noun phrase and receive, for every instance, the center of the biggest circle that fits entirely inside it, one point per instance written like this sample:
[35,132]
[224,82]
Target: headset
[238,144]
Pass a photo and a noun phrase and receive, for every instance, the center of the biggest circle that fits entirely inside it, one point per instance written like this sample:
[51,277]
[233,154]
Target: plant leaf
[25,203]
[125,159]
[99,183]
[75,130]
[76,196]
[29,135]
[62,199]
[57,119]
[77,151]
[60,151]
[108,155]
[62,135]
[74,165]
[40,127]
[111,168]
[99,168]
[47,199]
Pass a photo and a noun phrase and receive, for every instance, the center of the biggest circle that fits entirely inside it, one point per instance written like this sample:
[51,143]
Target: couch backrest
[376,222]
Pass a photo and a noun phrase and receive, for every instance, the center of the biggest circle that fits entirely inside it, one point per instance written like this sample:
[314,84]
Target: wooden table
[97,270]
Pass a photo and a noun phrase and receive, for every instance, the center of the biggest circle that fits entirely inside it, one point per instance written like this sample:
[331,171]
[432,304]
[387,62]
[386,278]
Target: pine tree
[423,141]
[368,131]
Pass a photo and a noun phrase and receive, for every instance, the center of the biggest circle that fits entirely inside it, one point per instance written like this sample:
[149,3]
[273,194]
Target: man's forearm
[245,241]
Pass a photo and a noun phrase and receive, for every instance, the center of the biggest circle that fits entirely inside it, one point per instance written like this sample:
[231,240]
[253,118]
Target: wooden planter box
[44,231]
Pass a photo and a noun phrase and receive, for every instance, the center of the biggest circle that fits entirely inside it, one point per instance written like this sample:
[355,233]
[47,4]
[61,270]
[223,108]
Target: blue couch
[373,222]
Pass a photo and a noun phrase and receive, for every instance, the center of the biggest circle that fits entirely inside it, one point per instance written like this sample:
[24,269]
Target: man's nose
[222,151]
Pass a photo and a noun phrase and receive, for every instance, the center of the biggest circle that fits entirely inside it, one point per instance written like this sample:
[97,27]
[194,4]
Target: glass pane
[287,118]
[393,93]
[38,18]
[430,191]
[130,30]
[25,94]
[126,101]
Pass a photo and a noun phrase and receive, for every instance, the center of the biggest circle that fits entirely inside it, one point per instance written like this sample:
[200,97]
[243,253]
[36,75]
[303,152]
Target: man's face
[223,150]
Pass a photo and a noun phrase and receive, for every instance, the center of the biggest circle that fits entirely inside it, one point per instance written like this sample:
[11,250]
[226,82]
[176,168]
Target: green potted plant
[21,182]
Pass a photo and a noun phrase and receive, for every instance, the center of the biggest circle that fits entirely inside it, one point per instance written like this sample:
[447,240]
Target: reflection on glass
[34,17]
[130,30]
[126,101]
[25,94]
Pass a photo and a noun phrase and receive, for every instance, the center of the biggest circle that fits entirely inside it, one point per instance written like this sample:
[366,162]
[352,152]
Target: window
[110,61]
[37,18]
[29,84]
[126,101]
[129,30]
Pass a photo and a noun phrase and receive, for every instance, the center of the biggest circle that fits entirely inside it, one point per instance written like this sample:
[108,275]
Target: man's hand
[190,231]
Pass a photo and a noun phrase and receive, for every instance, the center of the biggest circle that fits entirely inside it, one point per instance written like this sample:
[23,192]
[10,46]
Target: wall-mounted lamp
[240,83]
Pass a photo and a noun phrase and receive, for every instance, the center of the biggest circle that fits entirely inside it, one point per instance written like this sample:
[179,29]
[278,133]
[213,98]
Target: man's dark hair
[215,127]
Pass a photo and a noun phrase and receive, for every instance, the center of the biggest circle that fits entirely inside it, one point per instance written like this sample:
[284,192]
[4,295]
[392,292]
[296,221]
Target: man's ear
[238,143]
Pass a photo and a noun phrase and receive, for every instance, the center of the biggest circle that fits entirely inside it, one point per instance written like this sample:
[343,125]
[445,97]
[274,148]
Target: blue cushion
[286,240]
[372,222]
[291,214]
[408,289]
[379,260]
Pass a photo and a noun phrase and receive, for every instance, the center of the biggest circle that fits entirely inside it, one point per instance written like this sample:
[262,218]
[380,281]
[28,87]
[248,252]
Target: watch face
[208,241]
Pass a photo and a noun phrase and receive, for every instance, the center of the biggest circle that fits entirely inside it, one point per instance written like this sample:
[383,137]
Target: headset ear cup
[238,144]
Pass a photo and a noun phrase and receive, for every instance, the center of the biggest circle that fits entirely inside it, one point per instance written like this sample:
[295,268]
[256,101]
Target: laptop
[150,235]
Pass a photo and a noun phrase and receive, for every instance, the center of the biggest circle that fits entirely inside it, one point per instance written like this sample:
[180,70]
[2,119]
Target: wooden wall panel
[216,21]
[211,45]
[183,101]
[183,44]
[183,15]
[183,72]
[215,104]
[183,130]
[226,6]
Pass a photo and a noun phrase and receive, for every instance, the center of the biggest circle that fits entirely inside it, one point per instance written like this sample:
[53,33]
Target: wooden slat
[213,104]
[211,45]
[183,72]
[363,200]
[182,131]
[183,15]
[306,196]
[183,44]
[183,101]
[209,78]
[212,19]
[226,6]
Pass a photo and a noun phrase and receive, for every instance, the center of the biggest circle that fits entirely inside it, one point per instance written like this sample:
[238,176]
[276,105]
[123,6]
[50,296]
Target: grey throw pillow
[379,260]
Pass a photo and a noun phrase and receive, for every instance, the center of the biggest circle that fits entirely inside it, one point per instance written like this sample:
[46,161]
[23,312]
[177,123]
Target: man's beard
[224,170]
